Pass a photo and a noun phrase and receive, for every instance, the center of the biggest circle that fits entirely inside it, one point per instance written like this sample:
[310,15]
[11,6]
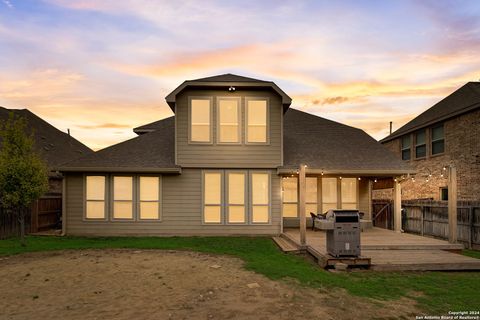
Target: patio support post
[452,204]
[301,204]
[397,206]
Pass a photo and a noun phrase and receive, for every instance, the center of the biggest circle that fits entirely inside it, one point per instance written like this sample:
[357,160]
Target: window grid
[438,139]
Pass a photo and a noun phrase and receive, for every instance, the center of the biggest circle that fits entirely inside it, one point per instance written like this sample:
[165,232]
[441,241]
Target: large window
[311,196]
[123,197]
[438,140]
[236,197]
[420,145]
[228,121]
[260,197]
[290,197]
[329,194]
[95,197]
[406,147]
[200,120]
[212,197]
[149,198]
[349,193]
[257,115]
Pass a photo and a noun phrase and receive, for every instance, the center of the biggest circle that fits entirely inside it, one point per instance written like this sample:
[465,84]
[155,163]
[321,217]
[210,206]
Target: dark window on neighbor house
[406,147]
[420,145]
[444,194]
[438,140]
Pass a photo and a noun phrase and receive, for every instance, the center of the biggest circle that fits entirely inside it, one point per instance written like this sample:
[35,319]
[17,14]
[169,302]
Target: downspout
[64,205]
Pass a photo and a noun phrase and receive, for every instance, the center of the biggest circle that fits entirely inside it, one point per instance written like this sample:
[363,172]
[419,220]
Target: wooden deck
[387,250]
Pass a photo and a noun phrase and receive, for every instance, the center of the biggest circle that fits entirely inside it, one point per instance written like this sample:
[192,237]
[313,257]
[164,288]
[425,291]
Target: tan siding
[181,211]
[229,156]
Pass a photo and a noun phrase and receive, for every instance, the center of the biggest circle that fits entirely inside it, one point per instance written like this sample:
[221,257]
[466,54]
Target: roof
[149,152]
[225,81]
[54,146]
[463,100]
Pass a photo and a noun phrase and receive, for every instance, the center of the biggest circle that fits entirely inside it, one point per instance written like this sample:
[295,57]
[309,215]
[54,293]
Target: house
[225,164]
[447,134]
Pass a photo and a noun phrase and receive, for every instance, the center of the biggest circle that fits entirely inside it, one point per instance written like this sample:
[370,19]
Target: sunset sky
[103,67]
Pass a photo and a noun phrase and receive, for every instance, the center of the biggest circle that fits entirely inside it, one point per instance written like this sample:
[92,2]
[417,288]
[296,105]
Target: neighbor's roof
[54,146]
[465,99]
[150,152]
[225,81]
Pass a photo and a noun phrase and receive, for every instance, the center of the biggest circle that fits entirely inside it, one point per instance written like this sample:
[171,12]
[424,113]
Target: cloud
[8,4]
[104,126]
[330,100]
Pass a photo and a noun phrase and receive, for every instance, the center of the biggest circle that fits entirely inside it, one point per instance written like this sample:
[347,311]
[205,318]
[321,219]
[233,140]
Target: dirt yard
[149,284]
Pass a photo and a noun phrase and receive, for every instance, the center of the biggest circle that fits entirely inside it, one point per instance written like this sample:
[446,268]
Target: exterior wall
[462,149]
[229,156]
[181,211]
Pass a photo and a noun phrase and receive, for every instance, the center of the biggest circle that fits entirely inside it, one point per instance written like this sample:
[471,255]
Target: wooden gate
[382,214]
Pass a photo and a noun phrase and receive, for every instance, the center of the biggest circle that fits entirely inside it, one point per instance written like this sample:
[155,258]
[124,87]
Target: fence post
[452,204]
[397,206]
[470,227]
[422,220]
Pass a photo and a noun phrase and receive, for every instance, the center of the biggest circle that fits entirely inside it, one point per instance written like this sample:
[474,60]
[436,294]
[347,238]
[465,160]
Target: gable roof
[463,100]
[150,152]
[225,81]
[54,146]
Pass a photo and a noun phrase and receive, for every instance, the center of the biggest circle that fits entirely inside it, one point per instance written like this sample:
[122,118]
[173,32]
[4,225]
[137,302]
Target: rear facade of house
[225,164]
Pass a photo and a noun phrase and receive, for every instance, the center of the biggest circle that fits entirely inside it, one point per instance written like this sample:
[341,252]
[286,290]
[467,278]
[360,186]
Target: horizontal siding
[181,211]
[228,156]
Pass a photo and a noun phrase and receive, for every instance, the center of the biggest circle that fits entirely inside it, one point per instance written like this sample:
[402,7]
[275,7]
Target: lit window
[406,147]
[95,197]
[438,140]
[236,198]
[349,193]
[123,197]
[212,186]
[290,197]
[228,115]
[200,126]
[257,121]
[329,194]
[420,145]
[149,197]
[260,197]
[311,196]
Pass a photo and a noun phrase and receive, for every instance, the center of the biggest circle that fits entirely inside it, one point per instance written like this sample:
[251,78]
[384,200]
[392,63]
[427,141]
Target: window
[349,193]
[149,197]
[123,197]
[212,197]
[406,147]
[95,197]
[311,196]
[200,118]
[329,194]
[290,197]
[438,140]
[257,121]
[236,198]
[444,194]
[228,121]
[260,197]
[420,145]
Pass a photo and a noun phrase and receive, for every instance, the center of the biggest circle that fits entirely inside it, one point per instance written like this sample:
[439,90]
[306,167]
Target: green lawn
[435,291]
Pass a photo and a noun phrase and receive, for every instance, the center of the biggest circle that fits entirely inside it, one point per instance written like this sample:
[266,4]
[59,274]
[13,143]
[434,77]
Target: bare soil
[155,284]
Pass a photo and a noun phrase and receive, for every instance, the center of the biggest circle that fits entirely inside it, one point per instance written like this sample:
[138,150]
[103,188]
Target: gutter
[363,172]
[177,170]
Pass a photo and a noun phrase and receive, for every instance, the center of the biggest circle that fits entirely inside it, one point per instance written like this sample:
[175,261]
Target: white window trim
[267,142]
[189,124]
[245,197]
[112,198]
[250,202]
[222,198]
[105,199]
[138,201]
[239,117]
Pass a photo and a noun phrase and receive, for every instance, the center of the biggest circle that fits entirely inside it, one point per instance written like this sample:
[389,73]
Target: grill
[343,232]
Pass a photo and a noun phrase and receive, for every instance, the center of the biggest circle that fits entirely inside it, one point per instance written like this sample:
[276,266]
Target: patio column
[397,206]
[301,204]
[452,204]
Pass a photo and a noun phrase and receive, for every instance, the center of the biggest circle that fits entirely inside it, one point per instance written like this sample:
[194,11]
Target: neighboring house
[447,134]
[225,164]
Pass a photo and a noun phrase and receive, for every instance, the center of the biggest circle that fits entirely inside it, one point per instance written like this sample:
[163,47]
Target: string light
[375,180]
[340,178]
[359,178]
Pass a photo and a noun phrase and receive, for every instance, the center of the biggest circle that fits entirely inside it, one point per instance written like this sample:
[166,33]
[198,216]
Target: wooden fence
[382,213]
[45,213]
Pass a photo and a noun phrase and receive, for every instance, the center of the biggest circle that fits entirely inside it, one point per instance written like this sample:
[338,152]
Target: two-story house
[226,163]
[447,134]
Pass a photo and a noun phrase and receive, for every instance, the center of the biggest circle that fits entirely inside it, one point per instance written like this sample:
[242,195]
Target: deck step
[285,245]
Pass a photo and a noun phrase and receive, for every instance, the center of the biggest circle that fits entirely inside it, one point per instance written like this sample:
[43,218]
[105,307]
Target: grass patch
[440,292]
[471,253]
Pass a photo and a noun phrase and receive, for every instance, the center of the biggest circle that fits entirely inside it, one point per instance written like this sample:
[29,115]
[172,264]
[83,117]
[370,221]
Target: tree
[23,174]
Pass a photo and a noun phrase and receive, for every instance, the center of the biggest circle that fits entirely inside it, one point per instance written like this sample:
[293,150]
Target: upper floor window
[438,140]
[406,147]
[200,120]
[228,120]
[257,115]
[420,145]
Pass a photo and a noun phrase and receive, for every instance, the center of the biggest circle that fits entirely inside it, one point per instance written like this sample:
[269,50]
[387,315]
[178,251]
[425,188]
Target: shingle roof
[463,100]
[153,151]
[54,146]
[228,77]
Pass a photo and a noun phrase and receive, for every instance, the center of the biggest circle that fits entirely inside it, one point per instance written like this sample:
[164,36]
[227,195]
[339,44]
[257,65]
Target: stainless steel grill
[343,232]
